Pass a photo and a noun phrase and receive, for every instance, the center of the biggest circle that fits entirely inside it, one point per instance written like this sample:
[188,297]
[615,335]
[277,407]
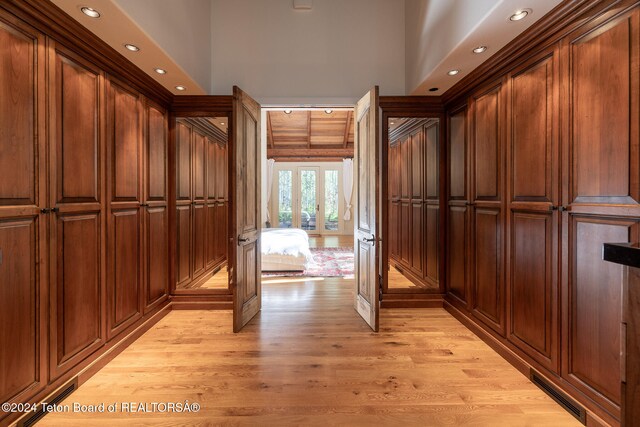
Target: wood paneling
[76,300]
[416,153]
[124,269]
[211,241]
[199,158]
[416,237]
[157,254]
[156,152]
[458,155]
[457,244]
[199,213]
[20,60]
[183,245]
[488,296]
[183,161]
[486,133]
[432,242]
[19,308]
[432,161]
[124,144]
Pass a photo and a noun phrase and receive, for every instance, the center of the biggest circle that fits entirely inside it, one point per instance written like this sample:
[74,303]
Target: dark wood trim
[207,128]
[202,106]
[285,154]
[347,129]
[412,106]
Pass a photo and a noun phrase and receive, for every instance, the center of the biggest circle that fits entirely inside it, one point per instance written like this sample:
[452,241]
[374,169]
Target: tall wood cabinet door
[77,297]
[183,245]
[199,217]
[211,243]
[488,274]
[533,171]
[602,182]
[199,159]
[124,227]
[156,231]
[183,161]
[199,228]
[23,229]
[432,201]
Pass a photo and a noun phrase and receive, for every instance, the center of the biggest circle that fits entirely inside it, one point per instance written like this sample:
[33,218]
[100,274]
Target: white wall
[332,54]
[182,28]
[433,29]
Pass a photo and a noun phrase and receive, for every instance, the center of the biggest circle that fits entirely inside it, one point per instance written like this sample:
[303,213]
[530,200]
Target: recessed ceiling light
[180,87]
[479,49]
[453,72]
[328,111]
[520,14]
[287,111]
[221,123]
[160,71]
[132,47]
[90,12]
[392,123]
[434,89]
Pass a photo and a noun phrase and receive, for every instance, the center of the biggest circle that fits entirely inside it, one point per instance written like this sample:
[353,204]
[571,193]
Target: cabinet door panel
[417,160]
[125,144]
[457,247]
[394,222]
[487,146]
[76,90]
[405,237]
[416,235]
[432,243]
[183,255]
[533,286]
[157,255]
[199,169]
[458,155]
[199,236]
[405,169]
[124,254]
[532,118]
[183,161]
[76,297]
[156,180]
[223,231]
[212,169]
[488,295]
[19,316]
[432,169]
[604,140]
[211,242]
[595,292]
[18,116]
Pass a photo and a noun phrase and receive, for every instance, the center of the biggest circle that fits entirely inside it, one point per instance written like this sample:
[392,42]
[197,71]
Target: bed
[285,249]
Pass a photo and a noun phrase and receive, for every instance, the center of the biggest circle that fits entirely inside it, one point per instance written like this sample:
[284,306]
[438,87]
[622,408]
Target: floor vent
[562,399]
[60,395]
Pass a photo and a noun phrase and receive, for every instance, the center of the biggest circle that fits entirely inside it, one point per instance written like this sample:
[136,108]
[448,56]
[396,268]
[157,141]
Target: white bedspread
[285,249]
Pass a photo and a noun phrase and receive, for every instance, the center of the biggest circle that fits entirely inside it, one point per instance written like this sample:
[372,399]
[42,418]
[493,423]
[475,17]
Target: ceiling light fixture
[132,47]
[180,87]
[434,89]
[160,71]
[221,123]
[328,111]
[453,72]
[480,49]
[90,12]
[287,111]
[520,14]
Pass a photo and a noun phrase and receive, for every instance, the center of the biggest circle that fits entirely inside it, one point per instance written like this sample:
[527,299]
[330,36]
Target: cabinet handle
[564,208]
[45,210]
[144,205]
[553,208]
[242,240]
[55,210]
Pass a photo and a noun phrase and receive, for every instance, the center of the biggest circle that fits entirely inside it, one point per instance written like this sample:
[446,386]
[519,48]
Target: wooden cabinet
[555,173]
[124,224]
[488,299]
[76,154]
[201,232]
[414,200]
[23,238]
[601,191]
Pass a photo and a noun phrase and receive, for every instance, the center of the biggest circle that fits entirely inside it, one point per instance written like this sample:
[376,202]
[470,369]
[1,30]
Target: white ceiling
[415,43]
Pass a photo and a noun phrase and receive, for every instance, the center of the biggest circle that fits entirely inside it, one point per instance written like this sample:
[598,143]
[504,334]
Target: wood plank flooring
[307,359]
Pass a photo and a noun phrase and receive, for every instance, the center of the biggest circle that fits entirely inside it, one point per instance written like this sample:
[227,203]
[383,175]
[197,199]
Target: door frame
[196,106]
[414,107]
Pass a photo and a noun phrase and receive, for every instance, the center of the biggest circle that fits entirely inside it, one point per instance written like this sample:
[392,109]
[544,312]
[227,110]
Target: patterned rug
[327,262]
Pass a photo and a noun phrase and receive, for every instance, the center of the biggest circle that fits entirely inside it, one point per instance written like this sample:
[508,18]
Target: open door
[245,173]
[367,208]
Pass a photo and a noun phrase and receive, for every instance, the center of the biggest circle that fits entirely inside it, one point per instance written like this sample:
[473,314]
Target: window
[285,202]
[331,202]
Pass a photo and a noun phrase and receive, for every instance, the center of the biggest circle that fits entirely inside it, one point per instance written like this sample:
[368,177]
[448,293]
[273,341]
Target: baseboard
[414,300]
[202,305]
[596,417]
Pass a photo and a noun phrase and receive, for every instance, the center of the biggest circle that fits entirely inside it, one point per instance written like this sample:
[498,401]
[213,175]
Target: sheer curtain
[270,163]
[347,186]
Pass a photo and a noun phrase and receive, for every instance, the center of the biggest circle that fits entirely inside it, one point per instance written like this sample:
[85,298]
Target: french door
[309,198]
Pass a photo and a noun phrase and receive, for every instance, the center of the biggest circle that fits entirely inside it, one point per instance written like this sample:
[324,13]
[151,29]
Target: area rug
[327,262]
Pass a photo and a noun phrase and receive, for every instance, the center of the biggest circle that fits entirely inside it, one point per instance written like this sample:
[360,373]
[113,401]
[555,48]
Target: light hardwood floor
[308,359]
